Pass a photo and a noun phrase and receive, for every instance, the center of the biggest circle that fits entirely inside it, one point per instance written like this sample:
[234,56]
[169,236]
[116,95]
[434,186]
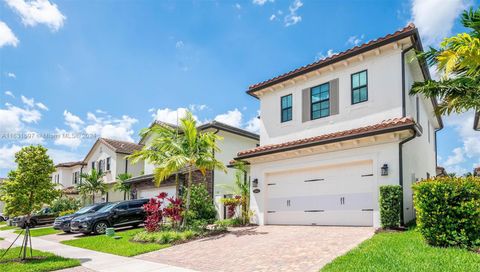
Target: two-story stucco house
[67,175]
[233,140]
[335,130]
[108,156]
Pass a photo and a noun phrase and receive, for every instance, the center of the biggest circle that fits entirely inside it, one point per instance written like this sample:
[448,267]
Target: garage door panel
[333,195]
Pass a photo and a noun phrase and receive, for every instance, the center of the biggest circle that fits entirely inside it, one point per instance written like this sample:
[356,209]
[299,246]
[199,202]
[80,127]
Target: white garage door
[153,192]
[329,195]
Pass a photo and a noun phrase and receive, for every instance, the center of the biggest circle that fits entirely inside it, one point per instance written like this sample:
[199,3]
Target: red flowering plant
[173,212]
[154,212]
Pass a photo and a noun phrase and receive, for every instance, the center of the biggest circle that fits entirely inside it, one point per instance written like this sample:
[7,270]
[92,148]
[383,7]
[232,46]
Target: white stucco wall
[384,100]
[379,154]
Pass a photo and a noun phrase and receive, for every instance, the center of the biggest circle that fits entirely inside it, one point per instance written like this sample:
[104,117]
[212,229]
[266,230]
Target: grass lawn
[7,227]
[3,223]
[46,262]
[41,232]
[403,251]
[122,246]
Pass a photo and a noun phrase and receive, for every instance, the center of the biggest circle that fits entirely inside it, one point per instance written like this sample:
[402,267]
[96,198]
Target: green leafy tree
[184,149]
[29,186]
[458,64]
[91,184]
[122,186]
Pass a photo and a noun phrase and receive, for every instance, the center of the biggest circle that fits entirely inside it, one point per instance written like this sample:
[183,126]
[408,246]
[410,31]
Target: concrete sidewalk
[94,260]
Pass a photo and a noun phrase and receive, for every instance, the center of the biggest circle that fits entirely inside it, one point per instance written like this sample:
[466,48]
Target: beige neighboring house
[108,156]
[67,175]
[333,131]
[234,140]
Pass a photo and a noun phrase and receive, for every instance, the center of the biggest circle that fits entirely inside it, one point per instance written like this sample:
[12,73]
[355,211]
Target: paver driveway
[264,248]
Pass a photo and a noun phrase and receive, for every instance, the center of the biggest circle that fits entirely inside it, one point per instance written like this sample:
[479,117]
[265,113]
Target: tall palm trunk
[93,198]
[189,192]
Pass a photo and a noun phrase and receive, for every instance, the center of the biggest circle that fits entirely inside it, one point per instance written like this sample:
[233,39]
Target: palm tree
[458,63]
[183,149]
[91,184]
[121,185]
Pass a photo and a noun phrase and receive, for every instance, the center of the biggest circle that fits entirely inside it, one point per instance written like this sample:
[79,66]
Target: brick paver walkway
[264,248]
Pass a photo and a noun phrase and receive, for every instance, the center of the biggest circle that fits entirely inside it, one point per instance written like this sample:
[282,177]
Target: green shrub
[201,205]
[163,237]
[390,205]
[448,211]
[65,204]
[62,213]
[231,222]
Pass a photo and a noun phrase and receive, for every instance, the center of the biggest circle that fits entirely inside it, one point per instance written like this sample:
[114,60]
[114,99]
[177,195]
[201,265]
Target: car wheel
[100,227]
[2,219]
[32,224]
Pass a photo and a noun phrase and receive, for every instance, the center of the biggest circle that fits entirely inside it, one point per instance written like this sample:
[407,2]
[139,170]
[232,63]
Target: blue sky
[110,67]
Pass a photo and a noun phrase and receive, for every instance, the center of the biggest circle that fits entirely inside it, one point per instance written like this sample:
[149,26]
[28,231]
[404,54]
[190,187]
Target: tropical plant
[458,64]
[241,191]
[29,187]
[186,149]
[201,205]
[154,212]
[91,184]
[121,184]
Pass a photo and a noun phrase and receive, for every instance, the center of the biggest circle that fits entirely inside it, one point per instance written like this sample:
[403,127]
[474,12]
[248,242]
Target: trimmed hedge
[448,211]
[390,205]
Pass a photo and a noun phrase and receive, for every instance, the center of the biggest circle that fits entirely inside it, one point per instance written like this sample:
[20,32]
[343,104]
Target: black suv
[116,214]
[63,222]
[44,216]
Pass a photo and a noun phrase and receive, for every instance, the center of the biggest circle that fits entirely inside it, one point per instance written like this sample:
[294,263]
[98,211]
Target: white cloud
[435,18]
[7,156]
[59,156]
[26,115]
[196,107]
[355,40]
[171,116]
[38,12]
[6,36]
[67,138]
[11,75]
[41,106]
[119,129]
[273,17]
[321,55]
[456,158]
[179,44]
[28,101]
[9,121]
[261,2]
[293,18]
[33,138]
[100,111]
[9,93]
[253,124]
[73,121]
[238,6]
[232,118]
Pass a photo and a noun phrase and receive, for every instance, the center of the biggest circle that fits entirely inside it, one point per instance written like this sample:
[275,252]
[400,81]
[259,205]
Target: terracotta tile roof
[122,146]
[70,164]
[398,123]
[398,35]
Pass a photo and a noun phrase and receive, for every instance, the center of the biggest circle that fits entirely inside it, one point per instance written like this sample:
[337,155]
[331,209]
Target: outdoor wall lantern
[385,170]
[255,183]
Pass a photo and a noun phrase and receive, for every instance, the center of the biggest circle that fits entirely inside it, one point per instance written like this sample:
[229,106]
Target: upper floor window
[320,101]
[359,87]
[286,105]
[93,165]
[108,164]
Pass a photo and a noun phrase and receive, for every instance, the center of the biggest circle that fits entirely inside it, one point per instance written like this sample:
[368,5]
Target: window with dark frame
[359,87]
[320,101]
[93,165]
[286,108]
[108,164]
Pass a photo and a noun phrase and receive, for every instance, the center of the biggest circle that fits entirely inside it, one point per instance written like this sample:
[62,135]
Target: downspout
[213,173]
[400,145]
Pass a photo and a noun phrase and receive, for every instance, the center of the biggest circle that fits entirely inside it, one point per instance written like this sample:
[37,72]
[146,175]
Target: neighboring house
[332,132]
[67,175]
[441,172]
[476,121]
[234,140]
[108,157]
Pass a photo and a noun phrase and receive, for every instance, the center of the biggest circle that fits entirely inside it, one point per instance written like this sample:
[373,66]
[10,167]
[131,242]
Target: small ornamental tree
[29,187]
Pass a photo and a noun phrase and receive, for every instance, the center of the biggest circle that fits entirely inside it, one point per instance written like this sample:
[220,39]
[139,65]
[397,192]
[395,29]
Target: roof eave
[413,127]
